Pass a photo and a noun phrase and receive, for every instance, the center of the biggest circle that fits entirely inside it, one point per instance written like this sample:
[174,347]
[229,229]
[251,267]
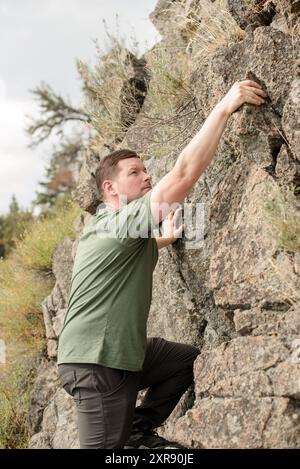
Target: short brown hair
[107,166]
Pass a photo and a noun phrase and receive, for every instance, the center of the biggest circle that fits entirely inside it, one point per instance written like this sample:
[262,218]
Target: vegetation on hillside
[25,280]
[27,242]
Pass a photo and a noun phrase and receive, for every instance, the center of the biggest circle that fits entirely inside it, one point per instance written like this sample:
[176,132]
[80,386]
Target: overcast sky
[39,41]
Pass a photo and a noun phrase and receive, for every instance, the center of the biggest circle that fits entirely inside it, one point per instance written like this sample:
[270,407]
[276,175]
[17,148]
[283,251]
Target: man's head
[122,174]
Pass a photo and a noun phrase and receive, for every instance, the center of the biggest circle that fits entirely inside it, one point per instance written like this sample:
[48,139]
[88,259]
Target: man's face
[132,180]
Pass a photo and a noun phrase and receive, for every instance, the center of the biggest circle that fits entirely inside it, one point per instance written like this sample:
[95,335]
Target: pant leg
[168,373]
[105,401]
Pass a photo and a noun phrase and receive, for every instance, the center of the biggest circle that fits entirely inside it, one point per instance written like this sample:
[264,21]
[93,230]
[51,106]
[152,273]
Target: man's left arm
[170,232]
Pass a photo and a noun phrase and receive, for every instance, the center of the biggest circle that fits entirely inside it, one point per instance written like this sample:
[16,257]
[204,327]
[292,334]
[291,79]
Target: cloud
[46,37]
[19,176]
[21,169]
[2,89]
[42,40]
[12,123]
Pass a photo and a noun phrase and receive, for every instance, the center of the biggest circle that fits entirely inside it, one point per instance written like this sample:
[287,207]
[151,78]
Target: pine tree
[12,225]
[61,173]
[55,112]
[65,161]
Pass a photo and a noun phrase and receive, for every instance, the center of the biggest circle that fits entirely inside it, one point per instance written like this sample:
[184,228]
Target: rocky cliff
[237,295]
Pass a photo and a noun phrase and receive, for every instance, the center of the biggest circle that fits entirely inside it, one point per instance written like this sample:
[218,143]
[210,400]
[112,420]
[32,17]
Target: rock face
[129,91]
[235,295]
[54,306]
[246,395]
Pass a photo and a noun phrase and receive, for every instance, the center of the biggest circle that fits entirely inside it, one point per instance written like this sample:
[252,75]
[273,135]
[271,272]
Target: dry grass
[39,241]
[206,27]
[20,311]
[291,19]
[282,211]
[168,119]
[166,87]
[22,329]
[15,395]
[105,84]
[23,285]
[168,90]
[103,88]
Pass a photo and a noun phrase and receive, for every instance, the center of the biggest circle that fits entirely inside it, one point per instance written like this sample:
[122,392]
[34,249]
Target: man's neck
[110,206]
[117,203]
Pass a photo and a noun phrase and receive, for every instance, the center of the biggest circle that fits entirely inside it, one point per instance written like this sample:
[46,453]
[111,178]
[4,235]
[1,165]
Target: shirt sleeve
[134,221]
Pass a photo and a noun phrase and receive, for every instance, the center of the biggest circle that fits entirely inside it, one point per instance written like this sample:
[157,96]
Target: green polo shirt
[111,289]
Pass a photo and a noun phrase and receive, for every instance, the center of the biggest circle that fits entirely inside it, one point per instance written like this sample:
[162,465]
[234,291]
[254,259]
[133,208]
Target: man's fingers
[252,99]
[177,215]
[256,91]
[179,230]
[174,213]
[170,214]
[177,211]
[250,83]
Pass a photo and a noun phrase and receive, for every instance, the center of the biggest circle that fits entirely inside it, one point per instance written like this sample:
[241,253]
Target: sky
[40,40]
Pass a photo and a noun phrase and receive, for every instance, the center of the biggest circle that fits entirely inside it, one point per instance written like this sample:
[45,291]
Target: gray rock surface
[233,296]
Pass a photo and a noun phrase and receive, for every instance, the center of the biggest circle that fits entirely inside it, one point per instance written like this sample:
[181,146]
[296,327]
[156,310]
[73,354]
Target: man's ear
[108,187]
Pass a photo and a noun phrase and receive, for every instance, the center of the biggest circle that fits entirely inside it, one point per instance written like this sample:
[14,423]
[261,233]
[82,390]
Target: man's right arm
[197,155]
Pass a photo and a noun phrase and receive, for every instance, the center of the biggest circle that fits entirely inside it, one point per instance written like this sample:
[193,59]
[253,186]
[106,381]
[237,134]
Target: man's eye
[133,172]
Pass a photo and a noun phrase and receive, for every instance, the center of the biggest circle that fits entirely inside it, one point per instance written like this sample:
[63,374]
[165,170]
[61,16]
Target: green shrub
[282,210]
[25,280]
[21,293]
[38,243]
[15,395]
[206,27]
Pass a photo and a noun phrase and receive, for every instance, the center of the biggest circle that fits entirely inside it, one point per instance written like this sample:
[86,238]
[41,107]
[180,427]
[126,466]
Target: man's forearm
[199,152]
[164,242]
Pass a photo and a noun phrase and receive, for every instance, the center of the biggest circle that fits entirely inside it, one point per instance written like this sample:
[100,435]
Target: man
[104,356]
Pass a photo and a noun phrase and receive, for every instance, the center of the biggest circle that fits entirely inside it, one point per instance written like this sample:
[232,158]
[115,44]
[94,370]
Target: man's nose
[148,177]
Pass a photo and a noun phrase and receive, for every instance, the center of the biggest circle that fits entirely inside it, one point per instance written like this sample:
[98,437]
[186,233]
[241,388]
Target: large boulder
[233,292]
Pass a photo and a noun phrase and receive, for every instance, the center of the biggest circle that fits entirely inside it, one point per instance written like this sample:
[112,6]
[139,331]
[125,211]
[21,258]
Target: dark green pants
[105,397]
